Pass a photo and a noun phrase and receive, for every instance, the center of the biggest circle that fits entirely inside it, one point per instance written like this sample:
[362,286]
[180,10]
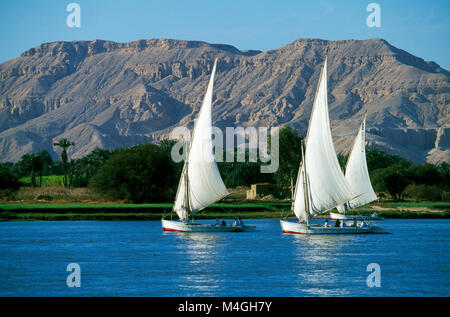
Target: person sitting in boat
[217,223]
[354,222]
[343,224]
[235,223]
[224,224]
[363,224]
[337,224]
[326,224]
[240,222]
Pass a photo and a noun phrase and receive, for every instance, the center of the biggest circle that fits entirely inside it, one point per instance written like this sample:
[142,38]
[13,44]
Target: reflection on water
[318,256]
[200,254]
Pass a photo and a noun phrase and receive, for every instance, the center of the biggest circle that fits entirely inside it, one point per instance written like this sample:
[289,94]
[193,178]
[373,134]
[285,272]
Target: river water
[136,258]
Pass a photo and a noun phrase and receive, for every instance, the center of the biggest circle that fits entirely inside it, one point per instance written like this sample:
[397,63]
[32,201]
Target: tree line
[146,172]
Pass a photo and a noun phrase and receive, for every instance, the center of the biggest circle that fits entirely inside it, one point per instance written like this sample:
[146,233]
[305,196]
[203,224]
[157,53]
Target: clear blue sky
[418,26]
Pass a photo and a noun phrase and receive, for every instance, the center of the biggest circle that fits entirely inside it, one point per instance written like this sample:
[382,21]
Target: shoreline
[225,210]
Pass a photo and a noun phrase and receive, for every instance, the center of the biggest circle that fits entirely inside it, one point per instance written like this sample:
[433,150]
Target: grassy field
[416,205]
[55,193]
[92,211]
[121,211]
[51,180]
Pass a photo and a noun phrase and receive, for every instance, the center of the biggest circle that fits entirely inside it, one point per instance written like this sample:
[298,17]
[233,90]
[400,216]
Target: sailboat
[357,174]
[321,184]
[200,183]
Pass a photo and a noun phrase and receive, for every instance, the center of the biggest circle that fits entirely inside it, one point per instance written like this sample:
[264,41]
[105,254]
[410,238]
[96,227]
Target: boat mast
[186,192]
[187,204]
[305,186]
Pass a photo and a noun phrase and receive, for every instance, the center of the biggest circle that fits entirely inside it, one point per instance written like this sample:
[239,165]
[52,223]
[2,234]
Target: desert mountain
[107,94]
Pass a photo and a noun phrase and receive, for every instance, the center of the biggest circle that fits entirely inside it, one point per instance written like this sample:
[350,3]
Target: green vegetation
[87,166]
[290,156]
[56,194]
[9,182]
[417,182]
[430,205]
[46,181]
[236,173]
[134,211]
[143,173]
[248,210]
[82,207]
[246,173]
[35,163]
[67,166]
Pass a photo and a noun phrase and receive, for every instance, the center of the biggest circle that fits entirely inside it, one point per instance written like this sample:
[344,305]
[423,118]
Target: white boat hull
[336,216]
[302,228]
[180,226]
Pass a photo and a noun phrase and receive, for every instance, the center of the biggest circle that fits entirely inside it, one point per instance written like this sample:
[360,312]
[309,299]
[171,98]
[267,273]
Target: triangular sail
[357,173]
[321,173]
[204,181]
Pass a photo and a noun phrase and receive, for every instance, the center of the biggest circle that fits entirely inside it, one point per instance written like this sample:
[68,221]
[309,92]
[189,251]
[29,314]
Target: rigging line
[287,215]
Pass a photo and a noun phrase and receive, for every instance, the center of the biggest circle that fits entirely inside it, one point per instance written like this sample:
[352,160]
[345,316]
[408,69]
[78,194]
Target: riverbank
[248,210]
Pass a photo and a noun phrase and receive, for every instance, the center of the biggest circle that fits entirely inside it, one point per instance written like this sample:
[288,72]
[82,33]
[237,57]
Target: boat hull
[302,228]
[180,226]
[336,216]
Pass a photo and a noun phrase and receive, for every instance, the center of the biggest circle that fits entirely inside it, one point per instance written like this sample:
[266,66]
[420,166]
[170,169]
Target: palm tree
[64,144]
[44,161]
[30,163]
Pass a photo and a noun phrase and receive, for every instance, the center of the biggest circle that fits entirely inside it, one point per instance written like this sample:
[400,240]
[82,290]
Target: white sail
[204,181]
[357,173]
[326,182]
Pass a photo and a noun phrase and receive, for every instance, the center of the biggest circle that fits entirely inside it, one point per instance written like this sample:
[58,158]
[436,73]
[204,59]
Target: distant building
[260,190]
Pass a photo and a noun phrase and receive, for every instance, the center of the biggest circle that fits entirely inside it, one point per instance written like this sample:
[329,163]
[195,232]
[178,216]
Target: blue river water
[136,258]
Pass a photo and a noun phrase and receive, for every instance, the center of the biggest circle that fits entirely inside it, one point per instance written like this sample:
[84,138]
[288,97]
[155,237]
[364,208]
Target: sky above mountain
[419,27]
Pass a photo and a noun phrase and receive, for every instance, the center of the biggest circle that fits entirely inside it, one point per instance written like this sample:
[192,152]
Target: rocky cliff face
[107,94]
